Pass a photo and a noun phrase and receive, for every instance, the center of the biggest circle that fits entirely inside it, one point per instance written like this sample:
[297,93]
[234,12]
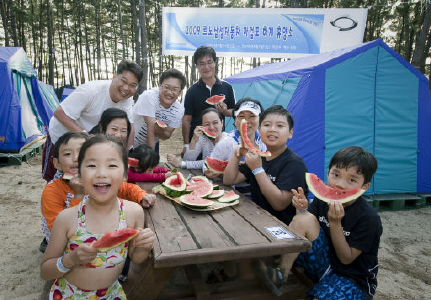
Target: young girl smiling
[79,269]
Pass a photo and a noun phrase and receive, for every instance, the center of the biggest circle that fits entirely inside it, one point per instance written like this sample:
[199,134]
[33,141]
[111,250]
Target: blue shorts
[329,285]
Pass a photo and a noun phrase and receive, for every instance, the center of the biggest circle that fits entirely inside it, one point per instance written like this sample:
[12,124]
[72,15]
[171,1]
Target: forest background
[70,42]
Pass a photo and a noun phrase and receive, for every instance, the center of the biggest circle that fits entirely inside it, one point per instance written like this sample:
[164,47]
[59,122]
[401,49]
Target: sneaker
[272,277]
[43,245]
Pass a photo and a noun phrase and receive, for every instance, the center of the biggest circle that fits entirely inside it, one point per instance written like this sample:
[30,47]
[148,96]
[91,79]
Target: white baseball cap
[251,106]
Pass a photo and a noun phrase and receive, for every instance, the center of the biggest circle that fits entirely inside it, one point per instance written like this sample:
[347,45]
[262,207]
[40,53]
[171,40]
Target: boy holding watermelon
[345,237]
[271,178]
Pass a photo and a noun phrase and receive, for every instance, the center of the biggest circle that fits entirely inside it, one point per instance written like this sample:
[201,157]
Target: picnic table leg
[146,282]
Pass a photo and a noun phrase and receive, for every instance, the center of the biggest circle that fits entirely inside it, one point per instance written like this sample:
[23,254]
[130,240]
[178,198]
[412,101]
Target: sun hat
[250,106]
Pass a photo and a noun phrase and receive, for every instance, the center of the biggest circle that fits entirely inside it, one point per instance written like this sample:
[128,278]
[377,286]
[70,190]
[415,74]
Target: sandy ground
[405,260]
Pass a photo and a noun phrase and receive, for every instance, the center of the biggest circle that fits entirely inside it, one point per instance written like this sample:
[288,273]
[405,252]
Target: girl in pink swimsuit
[80,270]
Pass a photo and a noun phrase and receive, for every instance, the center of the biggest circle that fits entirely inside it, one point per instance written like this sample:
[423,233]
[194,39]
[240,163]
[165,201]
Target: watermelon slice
[161,124]
[216,165]
[113,239]
[229,197]
[215,99]
[326,193]
[195,201]
[175,185]
[199,178]
[216,194]
[133,162]
[67,177]
[200,189]
[209,134]
[246,140]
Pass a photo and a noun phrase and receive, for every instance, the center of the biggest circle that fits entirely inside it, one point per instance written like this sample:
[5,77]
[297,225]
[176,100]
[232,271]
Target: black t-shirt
[287,172]
[362,229]
[198,93]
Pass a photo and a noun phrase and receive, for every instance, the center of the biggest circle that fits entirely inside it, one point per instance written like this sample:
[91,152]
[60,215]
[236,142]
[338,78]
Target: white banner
[261,32]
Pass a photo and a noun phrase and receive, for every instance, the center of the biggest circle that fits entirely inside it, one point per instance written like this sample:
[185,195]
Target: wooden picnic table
[186,238]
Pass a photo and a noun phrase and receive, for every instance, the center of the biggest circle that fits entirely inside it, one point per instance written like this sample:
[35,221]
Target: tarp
[26,104]
[367,96]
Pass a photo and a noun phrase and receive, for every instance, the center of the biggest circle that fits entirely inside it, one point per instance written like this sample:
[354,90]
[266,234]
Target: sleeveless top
[110,258]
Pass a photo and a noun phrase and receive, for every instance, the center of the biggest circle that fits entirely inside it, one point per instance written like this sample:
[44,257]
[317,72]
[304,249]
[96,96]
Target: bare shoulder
[134,214]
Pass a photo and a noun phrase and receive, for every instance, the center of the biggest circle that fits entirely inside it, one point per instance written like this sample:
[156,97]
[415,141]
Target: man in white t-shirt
[82,109]
[159,103]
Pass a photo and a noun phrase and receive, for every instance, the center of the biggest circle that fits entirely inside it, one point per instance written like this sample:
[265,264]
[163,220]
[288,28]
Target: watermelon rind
[247,142]
[188,200]
[132,162]
[113,239]
[228,197]
[211,135]
[161,124]
[67,177]
[175,190]
[320,189]
[216,165]
[216,194]
[213,100]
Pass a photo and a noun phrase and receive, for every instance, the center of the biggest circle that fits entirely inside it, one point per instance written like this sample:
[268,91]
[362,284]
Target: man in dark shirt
[208,85]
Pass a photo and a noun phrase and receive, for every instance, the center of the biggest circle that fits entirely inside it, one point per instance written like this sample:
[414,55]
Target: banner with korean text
[261,32]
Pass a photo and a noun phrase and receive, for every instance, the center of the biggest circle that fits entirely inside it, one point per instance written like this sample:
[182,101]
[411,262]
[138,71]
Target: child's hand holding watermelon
[143,241]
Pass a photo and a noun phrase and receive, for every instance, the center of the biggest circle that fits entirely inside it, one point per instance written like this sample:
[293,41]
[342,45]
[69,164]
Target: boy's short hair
[65,138]
[355,156]
[277,110]
[146,155]
[204,51]
[100,139]
[131,66]
[174,73]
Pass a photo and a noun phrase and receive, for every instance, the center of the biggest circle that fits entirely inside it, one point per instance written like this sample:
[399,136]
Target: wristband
[84,131]
[183,165]
[302,210]
[60,266]
[258,170]
[186,145]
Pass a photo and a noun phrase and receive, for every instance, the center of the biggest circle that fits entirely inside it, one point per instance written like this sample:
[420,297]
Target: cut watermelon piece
[215,99]
[200,189]
[216,165]
[113,239]
[229,197]
[161,124]
[199,178]
[216,194]
[246,140]
[209,134]
[133,162]
[175,185]
[326,193]
[195,201]
[67,177]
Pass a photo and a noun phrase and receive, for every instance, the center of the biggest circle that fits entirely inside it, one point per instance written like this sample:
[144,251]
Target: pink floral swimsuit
[109,259]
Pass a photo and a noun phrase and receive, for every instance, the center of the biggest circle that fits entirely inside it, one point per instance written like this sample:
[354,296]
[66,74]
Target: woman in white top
[250,110]
[212,120]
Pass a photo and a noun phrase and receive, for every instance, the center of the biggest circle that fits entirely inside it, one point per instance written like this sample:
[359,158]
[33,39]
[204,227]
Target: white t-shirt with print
[86,104]
[148,105]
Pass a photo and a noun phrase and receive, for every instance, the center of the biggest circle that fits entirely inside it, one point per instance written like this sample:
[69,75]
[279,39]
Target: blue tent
[26,104]
[367,96]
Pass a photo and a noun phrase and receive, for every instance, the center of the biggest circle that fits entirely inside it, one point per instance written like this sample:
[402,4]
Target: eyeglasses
[208,63]
[131,86]
[174,90]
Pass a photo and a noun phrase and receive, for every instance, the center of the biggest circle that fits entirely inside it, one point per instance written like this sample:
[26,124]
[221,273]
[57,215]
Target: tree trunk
[87,46]
[50,44]
[40,64]
[13,24]
[420,52]
[98,45]
[3,10]
[135,30]
[143,84]
[120,21]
